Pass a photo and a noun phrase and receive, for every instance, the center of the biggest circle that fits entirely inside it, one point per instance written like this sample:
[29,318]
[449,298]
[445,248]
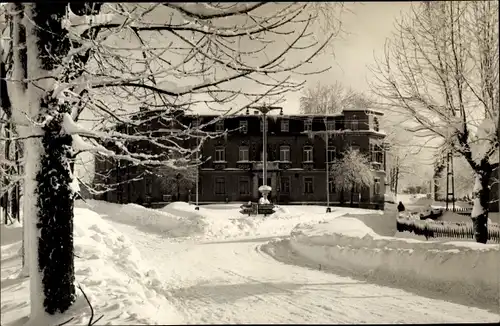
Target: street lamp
[327,136]
[265,189]
[197,163]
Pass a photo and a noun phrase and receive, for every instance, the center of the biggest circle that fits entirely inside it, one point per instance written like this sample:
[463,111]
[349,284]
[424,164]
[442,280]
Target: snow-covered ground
[109,269]
[464,270]
[218,266]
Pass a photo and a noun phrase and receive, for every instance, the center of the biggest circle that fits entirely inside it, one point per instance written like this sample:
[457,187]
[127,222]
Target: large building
[296,160]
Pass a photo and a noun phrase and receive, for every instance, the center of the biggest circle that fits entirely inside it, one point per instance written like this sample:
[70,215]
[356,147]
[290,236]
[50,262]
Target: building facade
[297,156]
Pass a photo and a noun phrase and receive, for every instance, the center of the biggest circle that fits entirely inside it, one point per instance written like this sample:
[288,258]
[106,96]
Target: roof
[364,110]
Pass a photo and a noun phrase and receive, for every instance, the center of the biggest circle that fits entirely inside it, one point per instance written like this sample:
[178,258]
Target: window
[379,157]
[331,186]
[220,154]
[377,186]
[308,185]
[149,186]
[354,122]
[220,186]
[244,127]
[376,125]
[308,154]
[377,154]
[285,153]
[219,125]
[267,125]
[244,186]
[285,125]
[308,125]
[330,125]
[243,153]
[285,185]
[332,153]
[196,123]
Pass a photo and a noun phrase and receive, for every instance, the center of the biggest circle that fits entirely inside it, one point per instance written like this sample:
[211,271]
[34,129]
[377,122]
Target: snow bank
[216,222]
[176,220]
[109,269]
[459,268]
[149,220]
[383,223]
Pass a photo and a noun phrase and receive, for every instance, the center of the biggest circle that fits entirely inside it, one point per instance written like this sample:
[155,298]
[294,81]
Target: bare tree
[351,171]
[463,177]
[401,154]
[107,59]
[327,99]
[441,71]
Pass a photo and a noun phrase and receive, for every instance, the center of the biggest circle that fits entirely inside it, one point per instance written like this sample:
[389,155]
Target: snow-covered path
[234,282]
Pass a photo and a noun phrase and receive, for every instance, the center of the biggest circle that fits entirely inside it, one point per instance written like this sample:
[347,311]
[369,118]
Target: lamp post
[197,165]
[265,189]
[327,168]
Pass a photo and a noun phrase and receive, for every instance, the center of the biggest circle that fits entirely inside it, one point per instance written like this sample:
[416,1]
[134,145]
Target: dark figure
[401,207]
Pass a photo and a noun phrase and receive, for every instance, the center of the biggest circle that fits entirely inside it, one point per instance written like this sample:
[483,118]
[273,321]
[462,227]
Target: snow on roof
[364,110]
[251,114]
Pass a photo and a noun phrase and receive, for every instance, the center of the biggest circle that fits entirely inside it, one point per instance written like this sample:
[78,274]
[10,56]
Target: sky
[367,26]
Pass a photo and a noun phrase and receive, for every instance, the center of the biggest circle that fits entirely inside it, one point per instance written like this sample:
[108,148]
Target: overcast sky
[367,26]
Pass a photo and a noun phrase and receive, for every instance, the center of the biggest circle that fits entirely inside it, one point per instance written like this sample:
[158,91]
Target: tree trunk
[480,208]
[352,195]
[55,220]
[396,177]
[48,204]
[6,202]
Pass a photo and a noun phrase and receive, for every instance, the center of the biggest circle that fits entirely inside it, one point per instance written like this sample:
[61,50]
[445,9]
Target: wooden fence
[445,229]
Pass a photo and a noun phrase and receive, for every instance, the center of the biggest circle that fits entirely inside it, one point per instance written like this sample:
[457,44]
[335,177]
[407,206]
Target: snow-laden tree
[331,98]
[351,171]
[176,181]
[109,59]
[441,70]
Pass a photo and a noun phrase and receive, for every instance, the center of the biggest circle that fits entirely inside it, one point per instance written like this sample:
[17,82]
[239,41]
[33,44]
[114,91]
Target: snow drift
[109,269]
[467,270]
[148,220]
[176,220]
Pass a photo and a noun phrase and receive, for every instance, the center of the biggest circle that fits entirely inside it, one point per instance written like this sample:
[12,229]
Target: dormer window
[285,125]
[354,123]
[308,125]
[243,126]
[219,126]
